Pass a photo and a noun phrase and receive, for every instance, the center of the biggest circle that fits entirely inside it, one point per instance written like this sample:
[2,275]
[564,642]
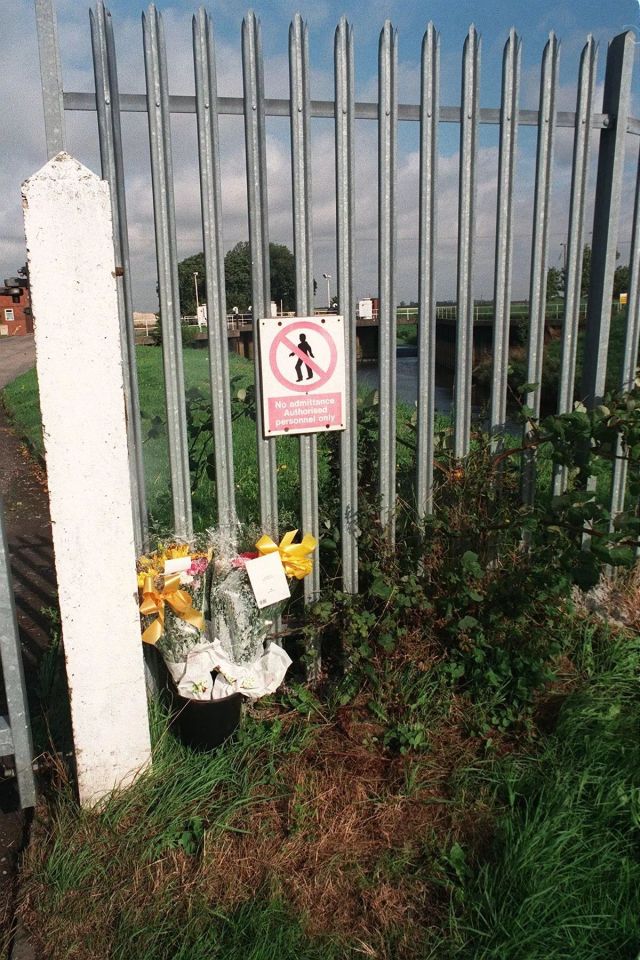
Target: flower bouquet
[246,660]
[230,651]
[172,585]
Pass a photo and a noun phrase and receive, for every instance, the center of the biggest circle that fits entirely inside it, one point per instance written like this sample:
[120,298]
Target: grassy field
[22,402]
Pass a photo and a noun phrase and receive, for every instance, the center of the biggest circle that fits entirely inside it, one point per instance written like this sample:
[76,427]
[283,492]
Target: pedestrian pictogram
[302,366]
[303,347]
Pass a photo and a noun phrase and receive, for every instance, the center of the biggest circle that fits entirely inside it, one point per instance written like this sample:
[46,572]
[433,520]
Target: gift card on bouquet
[268,579]
[179,565]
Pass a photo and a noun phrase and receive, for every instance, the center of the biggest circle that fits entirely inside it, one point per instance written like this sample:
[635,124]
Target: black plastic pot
[205,724]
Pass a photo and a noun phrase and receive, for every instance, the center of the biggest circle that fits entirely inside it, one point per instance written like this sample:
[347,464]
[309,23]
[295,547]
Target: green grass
[562,876]
[196,375]
[22,401]
[407,333]
[112,884]
[542,861]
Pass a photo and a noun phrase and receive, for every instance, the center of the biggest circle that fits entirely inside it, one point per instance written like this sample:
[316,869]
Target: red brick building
[16,319]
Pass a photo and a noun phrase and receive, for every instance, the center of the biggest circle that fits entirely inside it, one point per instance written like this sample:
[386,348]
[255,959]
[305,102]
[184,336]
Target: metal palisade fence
[617,131]
[15,728]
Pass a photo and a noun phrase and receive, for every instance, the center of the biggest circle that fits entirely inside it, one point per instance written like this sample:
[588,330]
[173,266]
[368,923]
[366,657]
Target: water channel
[407,380]
[407,386]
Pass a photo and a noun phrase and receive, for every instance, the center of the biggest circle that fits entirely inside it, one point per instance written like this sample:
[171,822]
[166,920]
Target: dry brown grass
[327,841]
[615,599]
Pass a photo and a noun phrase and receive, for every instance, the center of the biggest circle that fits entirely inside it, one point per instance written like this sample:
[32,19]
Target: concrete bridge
[240,330]
[240,334]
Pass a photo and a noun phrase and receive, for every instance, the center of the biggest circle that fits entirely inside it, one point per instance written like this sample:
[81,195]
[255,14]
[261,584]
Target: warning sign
[302,366]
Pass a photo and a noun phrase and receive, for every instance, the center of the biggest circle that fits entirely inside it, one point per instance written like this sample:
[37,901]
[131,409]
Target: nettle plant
[477,596]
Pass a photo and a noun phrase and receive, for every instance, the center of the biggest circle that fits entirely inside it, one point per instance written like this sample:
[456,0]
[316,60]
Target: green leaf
[381,589]
[471,564]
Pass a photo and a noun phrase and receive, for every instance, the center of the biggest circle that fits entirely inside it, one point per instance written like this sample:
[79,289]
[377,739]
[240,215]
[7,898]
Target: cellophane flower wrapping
[247,661]
[179,639]
[237,622]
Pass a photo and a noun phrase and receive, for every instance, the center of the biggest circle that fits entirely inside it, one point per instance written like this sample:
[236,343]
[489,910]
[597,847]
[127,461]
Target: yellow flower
[177,551]
[148,571]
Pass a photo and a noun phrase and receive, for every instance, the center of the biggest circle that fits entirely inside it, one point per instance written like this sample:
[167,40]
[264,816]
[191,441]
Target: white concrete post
[68,227]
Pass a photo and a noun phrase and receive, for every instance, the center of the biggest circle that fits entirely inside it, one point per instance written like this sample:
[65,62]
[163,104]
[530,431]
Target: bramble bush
[477,596]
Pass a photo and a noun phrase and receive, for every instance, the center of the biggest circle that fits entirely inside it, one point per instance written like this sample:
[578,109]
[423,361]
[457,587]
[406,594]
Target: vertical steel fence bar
[345,224]
[155,61]
[51,76]
[469,115]
[575,240]
[632,340]
[538,289]
[110,134]
[504,229]
[429,118]
[387,149]
[211,201]
[615,102]
[255,136]
[21,745]
[300,98]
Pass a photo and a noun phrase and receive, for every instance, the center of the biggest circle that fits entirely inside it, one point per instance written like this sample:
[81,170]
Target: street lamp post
[327,277]
[195,282]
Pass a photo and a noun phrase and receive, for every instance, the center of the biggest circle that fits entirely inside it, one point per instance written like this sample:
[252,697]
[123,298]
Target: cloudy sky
[23,149]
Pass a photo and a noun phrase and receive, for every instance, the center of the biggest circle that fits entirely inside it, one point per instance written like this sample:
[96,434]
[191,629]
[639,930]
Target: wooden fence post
[79,363]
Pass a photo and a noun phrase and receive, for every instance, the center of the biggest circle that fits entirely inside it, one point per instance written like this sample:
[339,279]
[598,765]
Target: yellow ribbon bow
[179,601]
[295,556]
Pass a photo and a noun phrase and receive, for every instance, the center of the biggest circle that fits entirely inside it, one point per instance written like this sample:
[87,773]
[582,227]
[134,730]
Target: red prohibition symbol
[284,339]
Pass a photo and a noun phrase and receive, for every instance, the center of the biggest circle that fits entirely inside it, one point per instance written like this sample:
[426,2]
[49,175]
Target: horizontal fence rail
[363,110]
[613,122]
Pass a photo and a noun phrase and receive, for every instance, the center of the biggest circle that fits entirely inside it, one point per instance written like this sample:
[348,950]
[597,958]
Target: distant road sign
[624,297]
[302,366]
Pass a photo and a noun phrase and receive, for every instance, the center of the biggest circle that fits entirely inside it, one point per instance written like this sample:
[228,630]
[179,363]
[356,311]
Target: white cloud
[21,115]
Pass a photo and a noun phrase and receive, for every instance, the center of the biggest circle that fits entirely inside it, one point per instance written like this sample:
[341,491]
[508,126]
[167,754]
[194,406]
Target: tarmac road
[17,355]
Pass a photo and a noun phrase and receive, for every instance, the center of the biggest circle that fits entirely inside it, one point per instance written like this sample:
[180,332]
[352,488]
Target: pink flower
[198,565]
[239,562]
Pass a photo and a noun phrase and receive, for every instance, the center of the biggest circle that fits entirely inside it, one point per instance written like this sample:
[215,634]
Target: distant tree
[585,278]
[283,275]
[186,282]
[621,281]
[554,283]
[237,275]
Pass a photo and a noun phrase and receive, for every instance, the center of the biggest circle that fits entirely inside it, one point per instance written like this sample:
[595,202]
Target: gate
[15,728]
